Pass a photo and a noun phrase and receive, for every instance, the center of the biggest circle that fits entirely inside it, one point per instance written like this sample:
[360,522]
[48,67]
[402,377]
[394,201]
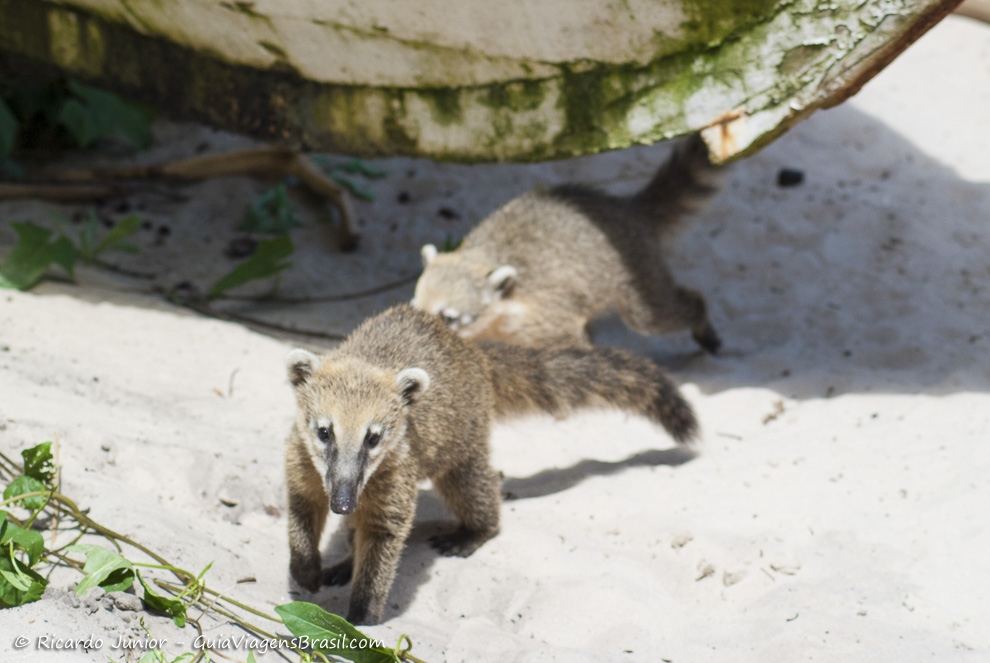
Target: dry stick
[58,484]
[259,326]
[376,290]
[59,192]
[265,161]
[172,587]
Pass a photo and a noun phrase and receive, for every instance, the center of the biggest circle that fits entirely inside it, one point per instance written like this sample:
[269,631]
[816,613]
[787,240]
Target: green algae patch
[710,22]
[445,104]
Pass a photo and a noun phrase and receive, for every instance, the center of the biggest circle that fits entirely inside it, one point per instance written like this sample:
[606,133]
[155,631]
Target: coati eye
[325,434]
[371,440]
[450,316]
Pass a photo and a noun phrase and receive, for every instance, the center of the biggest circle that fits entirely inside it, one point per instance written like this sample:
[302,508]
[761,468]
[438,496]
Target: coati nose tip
[343,505]
[342,509]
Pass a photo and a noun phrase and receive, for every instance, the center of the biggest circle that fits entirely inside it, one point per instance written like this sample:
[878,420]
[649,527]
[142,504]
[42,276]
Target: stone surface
[516,80]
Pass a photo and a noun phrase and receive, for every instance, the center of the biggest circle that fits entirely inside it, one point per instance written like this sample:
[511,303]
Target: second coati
[540,268]
[404,398]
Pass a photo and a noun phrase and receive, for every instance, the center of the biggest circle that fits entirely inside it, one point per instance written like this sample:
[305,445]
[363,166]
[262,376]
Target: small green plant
[54,113]
[273,213]
[91,246]
[33,254]
[318,634]
[450,244]
[36,251]
[339,174]
[266,261]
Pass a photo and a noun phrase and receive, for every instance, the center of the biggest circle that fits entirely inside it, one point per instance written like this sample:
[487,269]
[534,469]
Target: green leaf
[273,213]
[94,114]
[153,656]
[17,578]
[14,593]
[326,632]
[163,604]
[115,238]
[361,167]
[8,131]
[202,573]
[250,658]
[39,463]
[19,583]
[64,255]
[32,255]
[266,261]
[22,485]
[104,568]
[359,189]
[118,581]
[29,541]
[450,244]
[81,123]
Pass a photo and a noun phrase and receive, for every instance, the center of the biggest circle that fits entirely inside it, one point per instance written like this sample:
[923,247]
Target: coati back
[540,268]
[405,398]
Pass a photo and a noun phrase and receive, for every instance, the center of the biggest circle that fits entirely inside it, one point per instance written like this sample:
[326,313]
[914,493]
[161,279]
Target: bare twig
[268,161]
[60,192]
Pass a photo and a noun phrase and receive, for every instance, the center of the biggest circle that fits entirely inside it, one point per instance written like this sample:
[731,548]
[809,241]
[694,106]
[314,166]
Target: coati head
[351,416]
[459,289]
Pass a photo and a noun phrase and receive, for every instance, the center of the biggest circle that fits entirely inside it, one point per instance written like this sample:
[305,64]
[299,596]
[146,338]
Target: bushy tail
[561,380]
[683,184]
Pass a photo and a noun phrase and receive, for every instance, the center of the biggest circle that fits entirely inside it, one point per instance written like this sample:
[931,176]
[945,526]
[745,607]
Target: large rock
[509,80]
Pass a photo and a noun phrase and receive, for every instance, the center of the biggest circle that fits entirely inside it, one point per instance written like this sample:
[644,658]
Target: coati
[540,268]
[405,398]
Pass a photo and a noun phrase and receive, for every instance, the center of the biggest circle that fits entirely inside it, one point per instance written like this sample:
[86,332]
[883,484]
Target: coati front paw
[340,573]
[306,573]
[361,618]
[459,543]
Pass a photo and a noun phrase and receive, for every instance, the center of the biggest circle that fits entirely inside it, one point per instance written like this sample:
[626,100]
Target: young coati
[538,269]
[404,398]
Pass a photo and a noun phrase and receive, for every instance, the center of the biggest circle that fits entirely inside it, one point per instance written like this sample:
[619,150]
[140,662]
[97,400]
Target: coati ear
[429,252]
[412,382]
[502,280]
[301,364]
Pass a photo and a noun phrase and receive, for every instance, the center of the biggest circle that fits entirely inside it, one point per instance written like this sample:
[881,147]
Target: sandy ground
[837,510]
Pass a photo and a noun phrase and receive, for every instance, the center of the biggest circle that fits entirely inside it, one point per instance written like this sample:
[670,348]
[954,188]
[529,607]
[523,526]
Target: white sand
[851,526]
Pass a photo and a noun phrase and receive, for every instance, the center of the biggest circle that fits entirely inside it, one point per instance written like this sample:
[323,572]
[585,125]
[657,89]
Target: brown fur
[433,396]
[539,269]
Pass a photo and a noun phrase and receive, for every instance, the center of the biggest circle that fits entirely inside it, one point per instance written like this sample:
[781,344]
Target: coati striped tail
[686,181]
[561,380]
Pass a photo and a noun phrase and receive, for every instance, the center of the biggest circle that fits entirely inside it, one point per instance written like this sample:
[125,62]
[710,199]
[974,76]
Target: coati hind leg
[658,305]
[472,490]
